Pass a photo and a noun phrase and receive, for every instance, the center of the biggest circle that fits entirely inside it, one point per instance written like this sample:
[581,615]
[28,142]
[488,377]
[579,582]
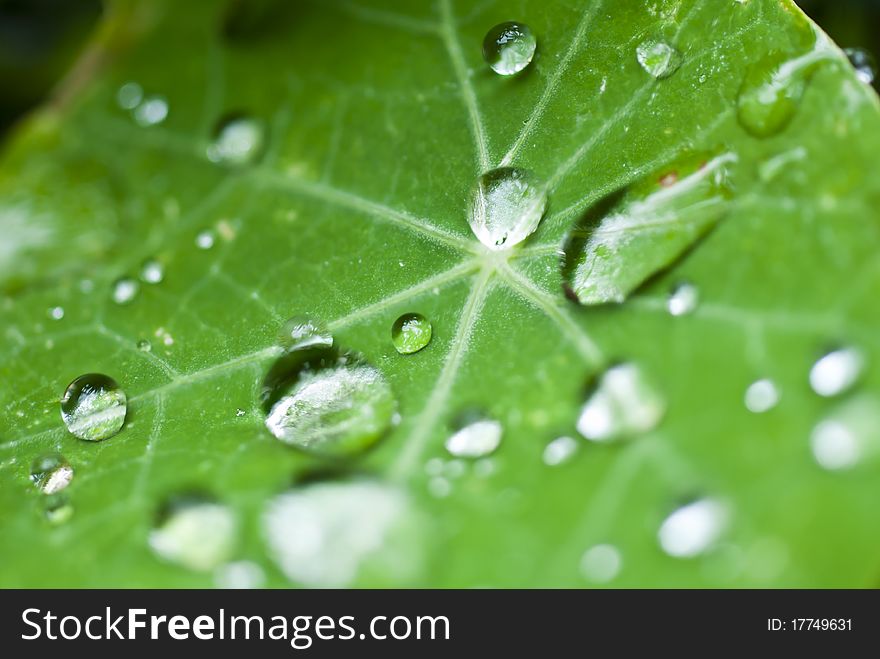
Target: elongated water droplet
[152,272]
[509,47]
[623,403]
[601,564]
[125,290]
[761,396]
[847,435]
[195,532]
[683,299]
[51,473]
[152,111]
[560,450]
[508,206]
[129,95]
[238,141]
[864,64]
[300,333]
[410,333]
[837,372]
[476,437]
[693,529]
[658,58]
[58,508]
[332,534]
[93,407]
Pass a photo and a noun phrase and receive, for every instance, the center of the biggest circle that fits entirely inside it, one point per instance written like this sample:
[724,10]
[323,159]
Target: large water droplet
[658,58]
[864,64]
[601,564]
[196,532]
[51,473]
[93,407]
[847,435]
[410,333]
[151,111]
[125,290]
[836,372]
[238,141]
[560,450]
[693,529]
[330,534]
[761,396]
[509,47]
[623,403]
[683,299]
[476,437]
[300,333]
[508,206]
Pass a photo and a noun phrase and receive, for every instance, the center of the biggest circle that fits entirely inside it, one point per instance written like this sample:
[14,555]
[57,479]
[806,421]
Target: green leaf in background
[213,170]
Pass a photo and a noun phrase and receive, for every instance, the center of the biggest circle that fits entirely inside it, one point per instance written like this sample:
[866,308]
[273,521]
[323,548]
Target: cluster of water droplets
[147,110]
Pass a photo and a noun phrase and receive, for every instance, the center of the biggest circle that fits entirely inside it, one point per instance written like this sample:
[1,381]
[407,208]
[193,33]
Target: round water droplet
[560,450]
[326,403]
[152,111]
[771,93]
[196,532]
[509,47]
[693,529]
[410,333]
[683,299]
[508,206]
[93,407]
[623,403]
[601,564]
[476,437]
[240,575]
[129,95]
[237,141]
[56,313]
[51,473]
[864,64]
[125,290]
[658,58]
[849,434]
[58,508]
[144,345]
[300,333]
[152,271]
[837,372]
[761,396]
[205,239]
[334,534]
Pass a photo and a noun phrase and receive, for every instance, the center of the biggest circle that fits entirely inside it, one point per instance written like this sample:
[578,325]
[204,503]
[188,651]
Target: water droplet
[151,111]
[56,313]
[509,47]
[864,64]
[144,345]
[837,372]
[439,487]
[507,208]
[410,333]
[848,434]
[328,534]
[125,290]
[601,564]
[129,95]
[51,473]
[240,575]
[622,404]
[693,529]
[194,531]
[476,437]
[761,396]
[152,271]
[300,333]
[205,239]
[658,58]
[58,509]
[93,407]
[683,299]
[560,450]
[238,141]
[326,403]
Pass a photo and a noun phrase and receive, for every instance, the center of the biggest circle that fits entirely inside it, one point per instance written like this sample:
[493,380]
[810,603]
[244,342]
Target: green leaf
[377,119]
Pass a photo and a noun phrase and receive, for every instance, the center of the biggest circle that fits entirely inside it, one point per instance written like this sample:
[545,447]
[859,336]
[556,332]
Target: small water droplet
[509,47]
[560,450]
[205,239]
[601,564]
[476,437]
[58,509]
[658,58]
[125,290]
[864,64]
[300,333]
[51,473]
[93,407]
[683,299]
[152,272]
[152,111]
[238,140]
[622,404]
[129,95]
[194,531]
[144,345]
[410,333]
[239,575]
[837,372]
[508,206]
[761,396]
[848,434]
[693,529]
[56,313]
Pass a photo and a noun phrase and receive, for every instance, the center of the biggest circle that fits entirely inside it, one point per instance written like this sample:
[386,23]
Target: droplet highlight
[658,58]
[623,403]
[560,451]
[152,272]
[51,473]
[509,47]
[476,437]
[864,64]
[125,290]
[761,396]
[693,529]
[195,532]
[410,333]
[508,206]
[238,141]
[601,563]
[683,299]
[129,96]
[848,434]
[837,372]
[93,407]
[152,111]
[301,333]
